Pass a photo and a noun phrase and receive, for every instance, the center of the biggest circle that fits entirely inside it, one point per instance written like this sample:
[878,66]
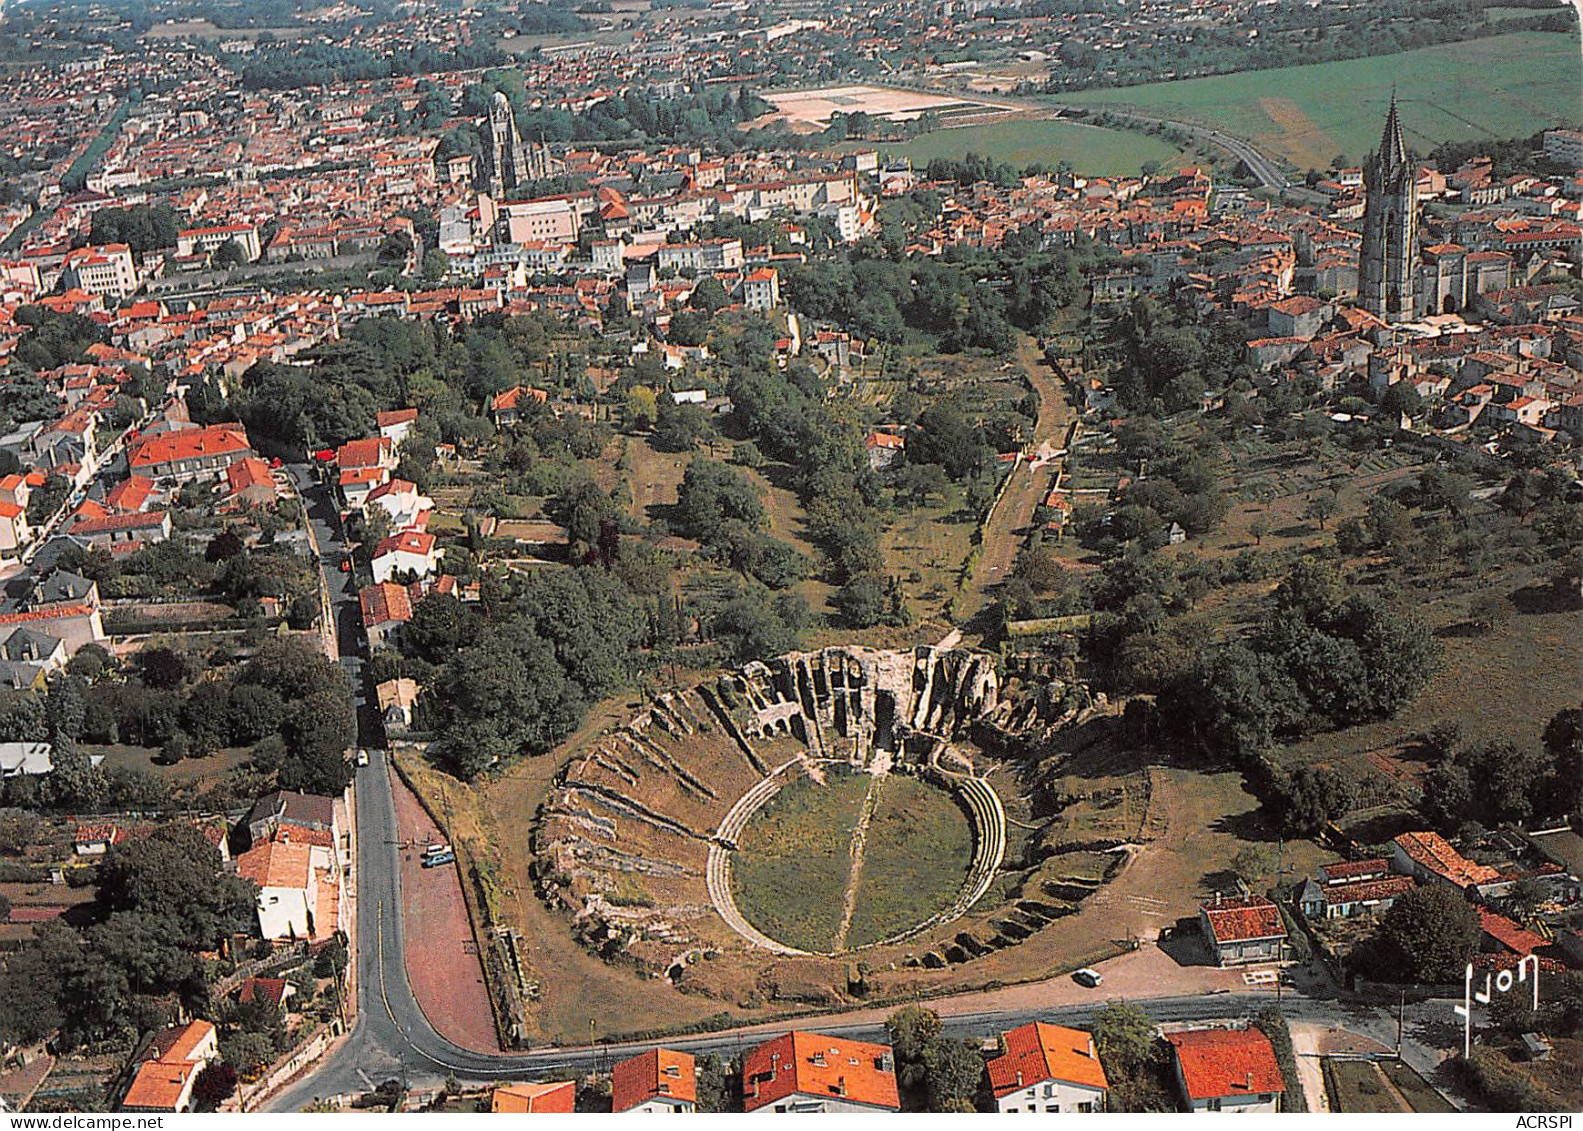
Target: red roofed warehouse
[659,1080]
[1231,1070]
[1243,930]
[801,1072]
[1048,1068]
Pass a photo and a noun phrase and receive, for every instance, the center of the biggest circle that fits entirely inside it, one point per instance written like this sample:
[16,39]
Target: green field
[1499,87]
[1103,153]
[918,849]
[794,859]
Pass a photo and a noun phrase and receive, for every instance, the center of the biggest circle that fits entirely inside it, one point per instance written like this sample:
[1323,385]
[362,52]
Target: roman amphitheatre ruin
[827,814]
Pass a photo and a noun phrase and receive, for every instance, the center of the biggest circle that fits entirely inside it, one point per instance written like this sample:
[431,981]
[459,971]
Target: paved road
[1268,172]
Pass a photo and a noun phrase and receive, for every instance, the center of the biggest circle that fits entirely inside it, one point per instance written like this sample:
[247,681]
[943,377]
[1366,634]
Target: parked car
[1087,977]
[436,850]
[439,859]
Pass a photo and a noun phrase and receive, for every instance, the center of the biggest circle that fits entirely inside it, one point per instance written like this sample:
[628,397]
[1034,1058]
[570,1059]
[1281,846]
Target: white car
[1087,977]
[362,757]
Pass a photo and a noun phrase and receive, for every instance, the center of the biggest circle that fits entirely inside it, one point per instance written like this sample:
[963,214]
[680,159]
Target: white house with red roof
[409,552]
[405,506]
[1227,1070]
[812,1072]
[170,1067]
[1047,1068]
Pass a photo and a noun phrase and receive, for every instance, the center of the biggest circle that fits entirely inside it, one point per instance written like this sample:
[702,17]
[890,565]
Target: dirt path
[855,876]
[1031,480]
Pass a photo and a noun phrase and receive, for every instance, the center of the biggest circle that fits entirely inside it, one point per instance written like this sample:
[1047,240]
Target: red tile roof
[559,1096]
[1037,1052]
[362,453]
[1511,935]
[656,1074]
[192,443]
[1242,920]
[811,1064]
[1431,852]
[130,494]
[1217,1063]
[385,602]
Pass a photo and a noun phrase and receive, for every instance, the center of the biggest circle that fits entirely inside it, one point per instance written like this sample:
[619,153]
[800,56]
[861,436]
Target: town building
[660,1081]
[811,1072]
[170,1066]
[1243,930]
[1226,1070]
[1047,1068]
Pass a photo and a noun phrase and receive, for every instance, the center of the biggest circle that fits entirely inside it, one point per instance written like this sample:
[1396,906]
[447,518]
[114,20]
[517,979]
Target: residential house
[287,894]
[396,425]
[1243,930]
[396,699]
[761,289]
[112,531]
[170,1067]
[1227,1070]
[1428,858]
[558,1097]
[508,407]
[386,608]
[811,1072]
[409,552]
[1048,1068]
[660,1081]
[249,483]
[190,453]
[402,502]
[884,449]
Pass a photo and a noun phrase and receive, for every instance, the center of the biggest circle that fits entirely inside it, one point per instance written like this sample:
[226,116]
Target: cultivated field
[817,107]
[1502,86]
[1023,142]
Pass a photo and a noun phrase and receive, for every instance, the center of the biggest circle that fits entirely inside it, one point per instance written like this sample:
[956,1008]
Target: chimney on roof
[1250,1082]
[1019,1079]
[1091,1053]
[775,1060]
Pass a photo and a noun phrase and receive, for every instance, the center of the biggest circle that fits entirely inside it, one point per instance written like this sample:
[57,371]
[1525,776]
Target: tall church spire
[1393,143]
[1388,262]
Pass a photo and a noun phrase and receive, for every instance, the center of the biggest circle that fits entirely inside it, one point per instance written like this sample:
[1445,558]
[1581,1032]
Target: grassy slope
[1502,86]
[1100,152]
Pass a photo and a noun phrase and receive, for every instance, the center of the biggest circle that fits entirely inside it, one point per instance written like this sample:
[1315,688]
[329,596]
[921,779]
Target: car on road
[1087,977]
[439,859]
[346,564]
[362,757]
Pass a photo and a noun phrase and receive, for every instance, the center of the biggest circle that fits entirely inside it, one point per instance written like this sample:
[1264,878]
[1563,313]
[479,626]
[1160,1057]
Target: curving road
[393,1039]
